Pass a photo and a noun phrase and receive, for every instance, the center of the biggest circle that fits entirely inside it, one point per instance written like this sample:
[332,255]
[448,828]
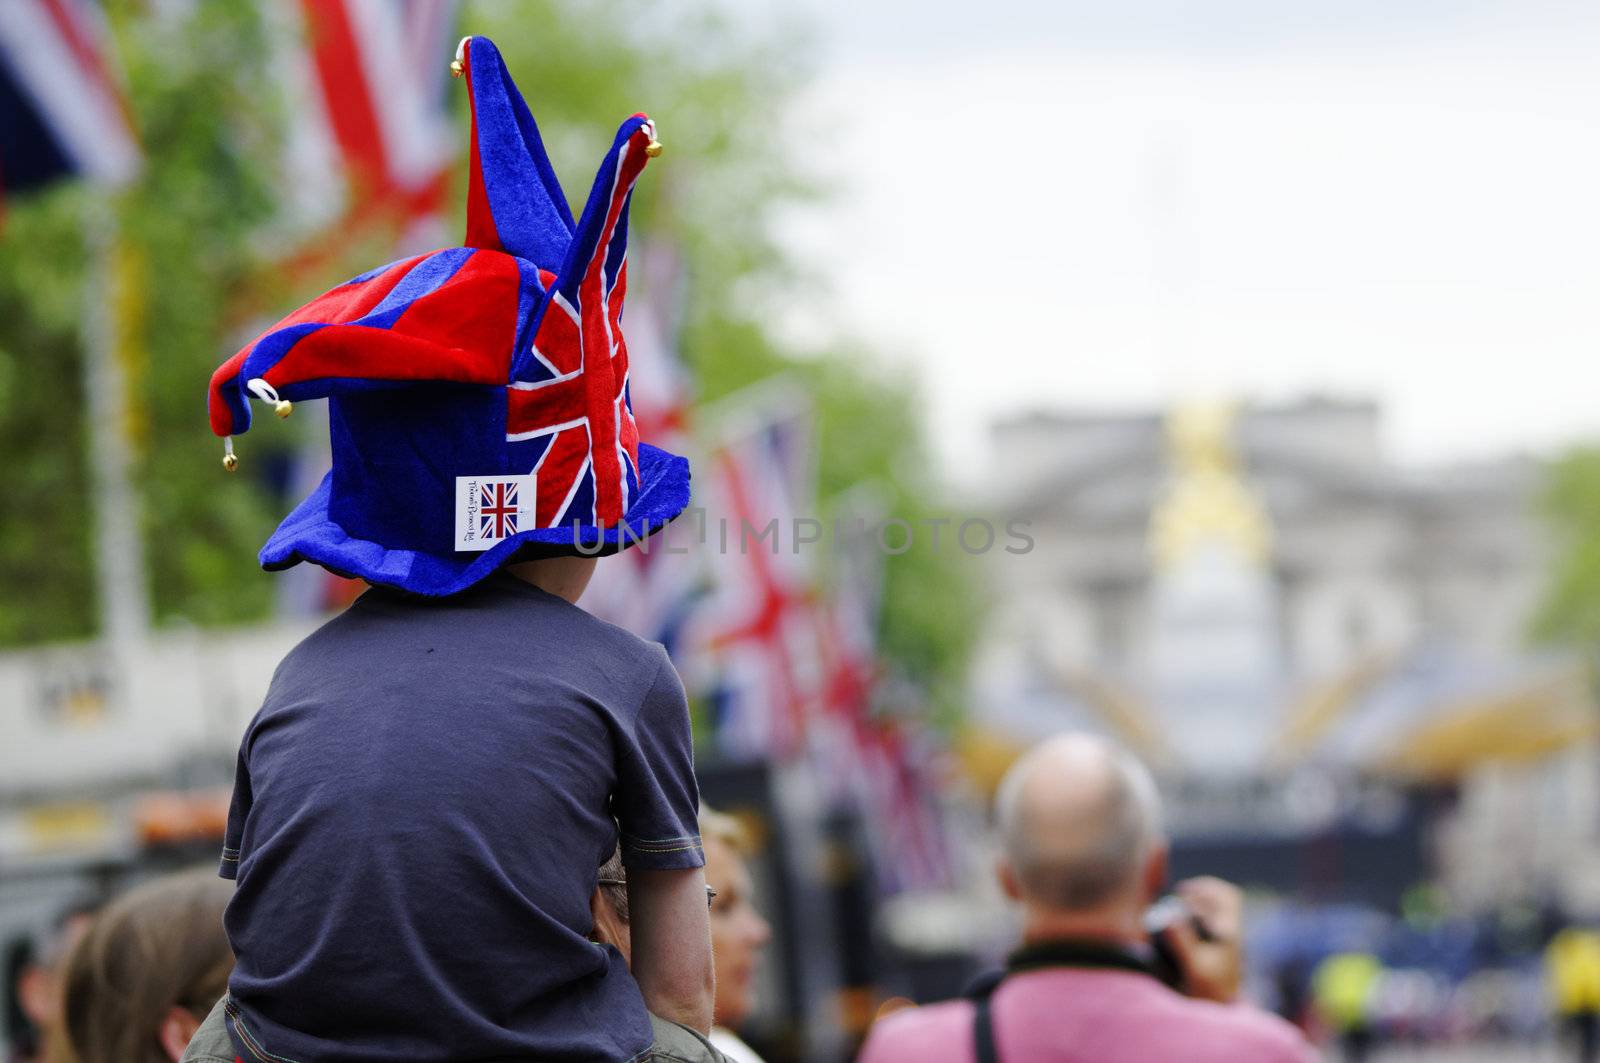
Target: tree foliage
[1570,610]
[197,231]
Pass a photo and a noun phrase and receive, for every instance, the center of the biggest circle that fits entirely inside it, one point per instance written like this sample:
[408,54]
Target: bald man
[1084,855]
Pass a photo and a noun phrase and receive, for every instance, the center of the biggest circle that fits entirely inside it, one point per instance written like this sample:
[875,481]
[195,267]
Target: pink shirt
[1079,1015]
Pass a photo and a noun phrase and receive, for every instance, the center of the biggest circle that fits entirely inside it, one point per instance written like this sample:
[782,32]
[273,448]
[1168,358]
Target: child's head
[148,970]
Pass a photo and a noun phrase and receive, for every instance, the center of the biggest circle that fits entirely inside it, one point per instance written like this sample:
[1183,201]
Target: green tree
[1570,610]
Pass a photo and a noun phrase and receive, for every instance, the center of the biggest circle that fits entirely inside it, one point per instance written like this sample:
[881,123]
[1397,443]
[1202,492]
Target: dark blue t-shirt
[420,809]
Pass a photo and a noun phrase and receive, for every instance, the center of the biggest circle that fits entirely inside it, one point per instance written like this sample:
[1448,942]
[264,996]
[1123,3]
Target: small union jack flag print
[490,509]
[497,510]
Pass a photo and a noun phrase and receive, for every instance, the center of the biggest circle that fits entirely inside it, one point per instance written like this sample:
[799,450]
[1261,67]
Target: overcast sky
[1091,204]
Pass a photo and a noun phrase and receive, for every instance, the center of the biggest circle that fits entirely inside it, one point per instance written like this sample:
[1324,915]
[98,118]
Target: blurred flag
[753,643]
[902,812]
[847,641]
[651,589]
[62,112]
[370,140]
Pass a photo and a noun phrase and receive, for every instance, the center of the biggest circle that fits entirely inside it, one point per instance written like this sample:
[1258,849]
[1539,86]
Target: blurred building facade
[1307,639]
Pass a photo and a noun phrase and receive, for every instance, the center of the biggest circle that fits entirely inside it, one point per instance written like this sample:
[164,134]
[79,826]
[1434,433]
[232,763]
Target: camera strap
[1094,955]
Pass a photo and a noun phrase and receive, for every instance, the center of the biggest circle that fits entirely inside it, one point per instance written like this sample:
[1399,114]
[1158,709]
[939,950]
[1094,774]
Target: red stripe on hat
[362,352]
[557,473]
[481,231]
[475,310]
[350,301]
[552,403]
[602,375]
[226,376]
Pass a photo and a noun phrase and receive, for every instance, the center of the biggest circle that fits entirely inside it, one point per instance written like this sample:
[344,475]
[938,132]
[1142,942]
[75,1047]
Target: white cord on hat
[269,394]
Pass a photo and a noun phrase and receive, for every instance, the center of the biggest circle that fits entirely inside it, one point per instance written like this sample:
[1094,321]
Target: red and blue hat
[478,395]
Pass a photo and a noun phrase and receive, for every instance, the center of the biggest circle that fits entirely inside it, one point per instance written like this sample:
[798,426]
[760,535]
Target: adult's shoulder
[937,1033]
[1261,1036]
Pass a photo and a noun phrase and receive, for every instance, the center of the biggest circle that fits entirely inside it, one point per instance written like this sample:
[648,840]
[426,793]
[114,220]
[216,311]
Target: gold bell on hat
[456,69]
[283,407]
[653,149]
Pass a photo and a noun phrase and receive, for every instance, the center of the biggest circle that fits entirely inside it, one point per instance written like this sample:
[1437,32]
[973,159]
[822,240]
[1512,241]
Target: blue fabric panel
[530,297]
[272,347]
[396,457]
[426,276]
[530,210]
[581,508]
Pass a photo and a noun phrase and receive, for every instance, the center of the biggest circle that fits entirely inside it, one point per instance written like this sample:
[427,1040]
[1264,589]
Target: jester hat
[477,395]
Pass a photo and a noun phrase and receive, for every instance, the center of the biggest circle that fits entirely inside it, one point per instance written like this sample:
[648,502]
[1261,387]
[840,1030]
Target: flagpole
[118,540]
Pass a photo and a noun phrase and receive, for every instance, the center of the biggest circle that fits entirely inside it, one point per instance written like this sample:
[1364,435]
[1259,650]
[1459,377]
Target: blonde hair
[724,828]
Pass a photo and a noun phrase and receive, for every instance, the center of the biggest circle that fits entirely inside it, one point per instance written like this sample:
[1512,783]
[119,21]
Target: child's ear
[176,1031]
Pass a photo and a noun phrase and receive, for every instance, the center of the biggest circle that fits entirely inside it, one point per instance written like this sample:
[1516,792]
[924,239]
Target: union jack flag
[497,510]
[753,640]
[62,111]
[569,397]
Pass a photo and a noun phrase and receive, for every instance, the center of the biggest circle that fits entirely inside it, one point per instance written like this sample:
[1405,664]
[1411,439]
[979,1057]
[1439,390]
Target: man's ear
[176,1031]
[609,929]
[1154,880]
[1008,879]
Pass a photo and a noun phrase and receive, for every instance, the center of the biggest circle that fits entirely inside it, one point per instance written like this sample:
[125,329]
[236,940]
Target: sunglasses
[711,894]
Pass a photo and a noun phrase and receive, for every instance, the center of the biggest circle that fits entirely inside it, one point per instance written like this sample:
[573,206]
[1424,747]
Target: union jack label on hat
[490,509]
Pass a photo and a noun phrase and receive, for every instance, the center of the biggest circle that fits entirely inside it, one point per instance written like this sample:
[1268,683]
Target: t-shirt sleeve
[238,809]
[657,802]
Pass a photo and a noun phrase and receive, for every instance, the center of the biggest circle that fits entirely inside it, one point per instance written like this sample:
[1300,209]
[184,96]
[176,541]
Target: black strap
[983,1032]
[1090,954]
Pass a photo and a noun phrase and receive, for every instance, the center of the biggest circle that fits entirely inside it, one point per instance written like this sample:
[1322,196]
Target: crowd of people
[1104,970]
[1084,858]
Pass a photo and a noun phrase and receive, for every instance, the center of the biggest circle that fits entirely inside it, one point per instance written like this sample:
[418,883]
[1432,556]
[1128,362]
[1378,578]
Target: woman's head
[738,932]
[151,966]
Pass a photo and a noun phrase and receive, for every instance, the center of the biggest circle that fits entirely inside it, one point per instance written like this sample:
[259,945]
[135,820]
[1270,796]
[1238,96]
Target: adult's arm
[672,944]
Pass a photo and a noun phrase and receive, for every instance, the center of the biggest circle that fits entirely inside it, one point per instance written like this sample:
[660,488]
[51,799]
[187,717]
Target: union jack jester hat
[478,395]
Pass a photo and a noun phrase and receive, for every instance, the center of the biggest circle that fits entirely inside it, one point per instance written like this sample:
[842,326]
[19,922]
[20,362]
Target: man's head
[1083,848]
